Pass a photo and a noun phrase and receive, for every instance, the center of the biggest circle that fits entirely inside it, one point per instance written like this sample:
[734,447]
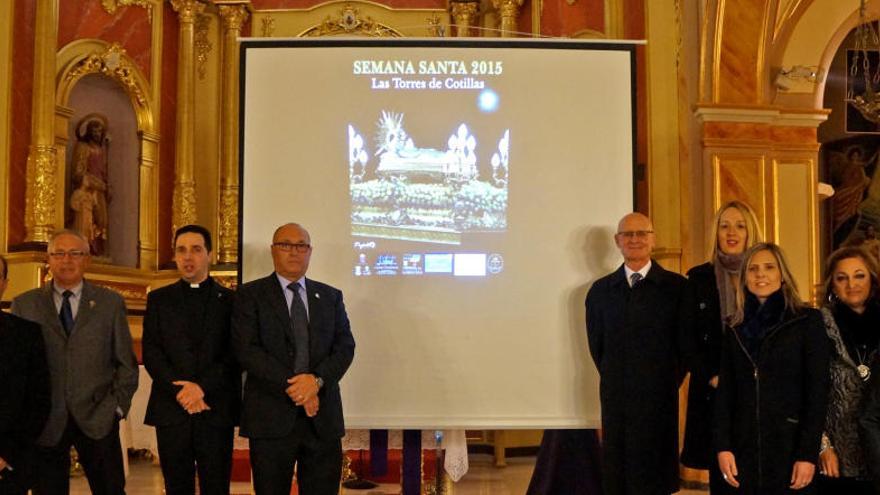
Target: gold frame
[89,56]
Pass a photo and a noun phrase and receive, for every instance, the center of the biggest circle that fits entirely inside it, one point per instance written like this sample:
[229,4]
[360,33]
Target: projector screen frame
[247,44]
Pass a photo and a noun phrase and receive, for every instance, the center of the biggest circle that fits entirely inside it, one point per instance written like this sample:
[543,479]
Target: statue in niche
[88,202]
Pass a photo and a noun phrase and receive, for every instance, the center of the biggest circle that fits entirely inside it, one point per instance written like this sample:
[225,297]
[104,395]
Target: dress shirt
[288,294]
[643,272]
[74,299]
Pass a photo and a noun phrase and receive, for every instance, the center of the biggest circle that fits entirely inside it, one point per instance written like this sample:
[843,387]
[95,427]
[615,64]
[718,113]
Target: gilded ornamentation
[509,10]
[228,224]
[113,64]
[202,44]
[233,16]
[435,27]
[183,205]
[187,10]
[228,281]
[110,6]
[267,26]
[129,293]
[349,21]
[40,192]
[465,16]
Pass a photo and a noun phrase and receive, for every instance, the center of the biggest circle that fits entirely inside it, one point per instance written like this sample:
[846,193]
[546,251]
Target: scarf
[727,266]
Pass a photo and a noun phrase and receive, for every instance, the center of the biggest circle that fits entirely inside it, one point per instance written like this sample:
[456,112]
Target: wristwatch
[319,381]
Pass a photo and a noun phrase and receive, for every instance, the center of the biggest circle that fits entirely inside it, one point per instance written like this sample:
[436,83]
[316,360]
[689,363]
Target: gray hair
[62,232]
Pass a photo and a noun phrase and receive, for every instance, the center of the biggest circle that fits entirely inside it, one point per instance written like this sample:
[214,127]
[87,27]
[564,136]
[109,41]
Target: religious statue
[88,201]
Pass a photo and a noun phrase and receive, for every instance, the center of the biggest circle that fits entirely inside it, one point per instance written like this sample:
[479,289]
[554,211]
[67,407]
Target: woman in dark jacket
[773,383]
[714,287]
[852,321]
[869,429]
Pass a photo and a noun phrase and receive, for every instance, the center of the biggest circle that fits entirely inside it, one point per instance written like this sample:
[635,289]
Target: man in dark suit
[196,389]
[24,396]
[292,336]
[92,366]
[636,319]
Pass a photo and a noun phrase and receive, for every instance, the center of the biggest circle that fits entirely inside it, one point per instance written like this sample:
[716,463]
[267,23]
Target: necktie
[635,278]
[300,322]
[66,313]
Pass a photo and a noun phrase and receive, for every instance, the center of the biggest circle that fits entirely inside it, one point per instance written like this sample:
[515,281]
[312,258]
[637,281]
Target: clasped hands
[303,391]
[191,397]
[801,473]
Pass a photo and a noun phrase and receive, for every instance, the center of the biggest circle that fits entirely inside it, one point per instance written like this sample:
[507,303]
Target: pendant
[864,371]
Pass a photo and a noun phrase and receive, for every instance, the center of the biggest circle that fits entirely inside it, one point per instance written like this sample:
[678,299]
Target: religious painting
[855,205]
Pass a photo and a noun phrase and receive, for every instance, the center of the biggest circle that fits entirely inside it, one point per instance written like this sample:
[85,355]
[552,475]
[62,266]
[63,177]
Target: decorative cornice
[349,21]
[110,6]
[761,115]
[113,64]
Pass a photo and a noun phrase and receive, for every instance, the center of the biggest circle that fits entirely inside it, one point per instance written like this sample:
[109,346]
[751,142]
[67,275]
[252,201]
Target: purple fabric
[411,481]
[378,452]
[568,462]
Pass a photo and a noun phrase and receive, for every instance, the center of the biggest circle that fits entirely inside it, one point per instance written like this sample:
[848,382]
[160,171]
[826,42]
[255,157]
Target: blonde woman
[773,382]
[714,285]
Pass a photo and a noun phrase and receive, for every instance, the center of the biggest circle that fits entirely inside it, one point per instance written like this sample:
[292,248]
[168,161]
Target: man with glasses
[636,323]
[196,388]
[292,337]
[24,396]
[93,370]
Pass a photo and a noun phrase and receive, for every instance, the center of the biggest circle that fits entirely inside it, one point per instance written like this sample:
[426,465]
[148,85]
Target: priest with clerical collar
[194,401]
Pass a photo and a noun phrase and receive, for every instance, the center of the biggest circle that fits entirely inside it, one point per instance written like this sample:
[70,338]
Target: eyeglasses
[288,247]
[635,234]
[74,255]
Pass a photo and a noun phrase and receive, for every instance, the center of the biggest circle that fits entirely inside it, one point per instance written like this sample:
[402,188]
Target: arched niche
[89,57]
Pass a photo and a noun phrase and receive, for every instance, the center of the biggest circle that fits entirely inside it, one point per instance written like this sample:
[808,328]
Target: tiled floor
[482,479]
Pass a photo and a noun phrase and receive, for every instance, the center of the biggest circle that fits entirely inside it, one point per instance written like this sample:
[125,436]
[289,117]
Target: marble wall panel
[20,136]
[741,177]
[741,35]
[129,26]
[167,130]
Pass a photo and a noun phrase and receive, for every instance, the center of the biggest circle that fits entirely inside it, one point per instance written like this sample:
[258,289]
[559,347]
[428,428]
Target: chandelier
[863,87]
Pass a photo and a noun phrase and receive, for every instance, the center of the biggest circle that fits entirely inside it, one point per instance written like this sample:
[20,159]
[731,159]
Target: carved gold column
[42,164]
[233,17]
[465,16]
[509,10]
[183,207]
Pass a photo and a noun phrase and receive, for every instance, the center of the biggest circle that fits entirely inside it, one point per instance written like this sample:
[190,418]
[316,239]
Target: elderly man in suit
[196,387]
[24,396]
[92,366]
[636,324]
[292,336]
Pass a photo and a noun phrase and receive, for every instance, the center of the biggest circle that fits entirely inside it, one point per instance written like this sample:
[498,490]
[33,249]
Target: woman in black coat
[713,285]
[773,383]
[852,321]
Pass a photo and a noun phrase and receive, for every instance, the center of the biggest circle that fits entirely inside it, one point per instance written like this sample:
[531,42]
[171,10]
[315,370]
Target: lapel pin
[92,303]
[317,296]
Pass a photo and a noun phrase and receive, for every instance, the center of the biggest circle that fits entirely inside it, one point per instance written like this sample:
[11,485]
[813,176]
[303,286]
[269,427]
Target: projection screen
[463,195]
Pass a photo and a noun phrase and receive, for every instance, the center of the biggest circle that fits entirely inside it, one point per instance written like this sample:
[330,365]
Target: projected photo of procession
[405,187]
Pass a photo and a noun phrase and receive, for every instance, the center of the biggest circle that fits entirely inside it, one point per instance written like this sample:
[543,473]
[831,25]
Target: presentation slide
[463,196]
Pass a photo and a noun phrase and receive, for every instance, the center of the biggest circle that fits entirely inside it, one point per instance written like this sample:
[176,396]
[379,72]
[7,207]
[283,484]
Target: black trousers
[318,462]
[101,459]
[191,446]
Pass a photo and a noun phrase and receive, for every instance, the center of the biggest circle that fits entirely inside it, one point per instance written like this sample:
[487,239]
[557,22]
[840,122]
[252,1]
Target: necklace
[863,369]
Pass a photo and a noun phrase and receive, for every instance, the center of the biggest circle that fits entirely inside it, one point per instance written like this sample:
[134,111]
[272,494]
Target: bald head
[291,251]
[635,239]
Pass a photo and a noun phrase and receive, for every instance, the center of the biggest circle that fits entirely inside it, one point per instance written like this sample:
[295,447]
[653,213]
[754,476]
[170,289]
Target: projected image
[405,192]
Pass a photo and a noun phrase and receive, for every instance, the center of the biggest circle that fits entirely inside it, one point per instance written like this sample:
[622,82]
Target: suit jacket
[94,371]
[24,389]
[263,343]
[172,353]
[638,341]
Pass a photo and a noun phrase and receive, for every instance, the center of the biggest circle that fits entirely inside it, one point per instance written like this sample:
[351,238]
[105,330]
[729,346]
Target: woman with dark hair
[773,382]
[714,285]
[852,321]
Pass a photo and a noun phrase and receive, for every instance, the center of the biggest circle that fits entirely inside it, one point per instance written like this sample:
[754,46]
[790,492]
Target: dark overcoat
[706,340]
[637,341]
[770,409]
